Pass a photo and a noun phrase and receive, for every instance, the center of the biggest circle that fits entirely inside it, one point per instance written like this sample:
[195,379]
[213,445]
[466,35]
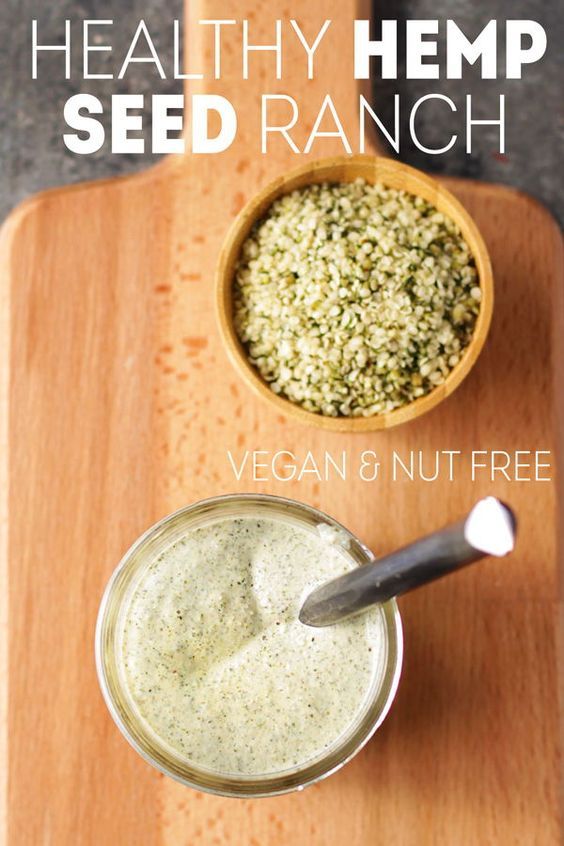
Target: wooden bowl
[346,169]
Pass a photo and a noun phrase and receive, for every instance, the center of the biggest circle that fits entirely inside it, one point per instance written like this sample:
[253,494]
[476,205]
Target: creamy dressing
[218,664]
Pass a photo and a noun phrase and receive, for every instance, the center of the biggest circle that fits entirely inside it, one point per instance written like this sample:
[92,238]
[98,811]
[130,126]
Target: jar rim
[200,778]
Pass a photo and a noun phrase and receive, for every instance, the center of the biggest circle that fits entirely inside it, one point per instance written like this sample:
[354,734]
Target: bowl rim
[313,171]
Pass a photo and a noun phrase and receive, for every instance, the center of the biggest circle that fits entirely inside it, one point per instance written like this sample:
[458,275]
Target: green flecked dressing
[218,664]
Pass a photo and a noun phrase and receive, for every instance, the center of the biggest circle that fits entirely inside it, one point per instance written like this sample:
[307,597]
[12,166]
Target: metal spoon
[489,529]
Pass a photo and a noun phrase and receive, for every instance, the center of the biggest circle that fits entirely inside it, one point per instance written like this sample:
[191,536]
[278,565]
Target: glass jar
[109,634]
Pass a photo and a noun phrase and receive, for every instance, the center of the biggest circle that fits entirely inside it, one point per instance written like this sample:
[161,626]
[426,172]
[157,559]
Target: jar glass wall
[111,673]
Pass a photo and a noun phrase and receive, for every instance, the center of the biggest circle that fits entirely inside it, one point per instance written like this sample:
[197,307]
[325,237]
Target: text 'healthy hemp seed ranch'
[354,299]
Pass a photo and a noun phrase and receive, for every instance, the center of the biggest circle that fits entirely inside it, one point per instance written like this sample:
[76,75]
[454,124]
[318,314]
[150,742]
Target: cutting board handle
[332,63]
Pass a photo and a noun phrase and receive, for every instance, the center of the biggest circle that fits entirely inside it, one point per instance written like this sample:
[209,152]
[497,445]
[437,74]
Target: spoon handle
[489,529]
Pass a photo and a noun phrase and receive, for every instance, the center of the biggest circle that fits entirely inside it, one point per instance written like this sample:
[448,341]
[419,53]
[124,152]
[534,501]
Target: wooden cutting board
[119,405]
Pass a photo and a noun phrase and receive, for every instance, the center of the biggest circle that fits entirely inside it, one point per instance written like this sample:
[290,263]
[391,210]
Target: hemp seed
[354,299]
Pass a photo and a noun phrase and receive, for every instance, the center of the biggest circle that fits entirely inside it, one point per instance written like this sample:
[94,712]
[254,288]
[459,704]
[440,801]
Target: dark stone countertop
[32,154]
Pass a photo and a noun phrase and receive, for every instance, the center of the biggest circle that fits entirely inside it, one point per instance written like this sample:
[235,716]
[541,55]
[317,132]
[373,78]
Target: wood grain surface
[119,405]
